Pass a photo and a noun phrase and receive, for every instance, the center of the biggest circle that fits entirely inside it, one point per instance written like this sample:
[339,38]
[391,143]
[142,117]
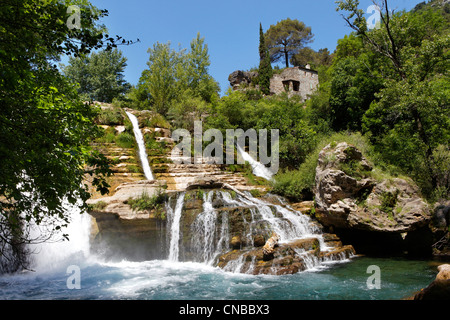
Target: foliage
[163,74]
[100,75]
[389,201]
[265,72]
[111,116]
[98,206]
[148,203]
[174,75]
[353,88]
[187,109]
[45,128]
[198,80]
[125,140]
[315,59]
[286,38]
[395,88]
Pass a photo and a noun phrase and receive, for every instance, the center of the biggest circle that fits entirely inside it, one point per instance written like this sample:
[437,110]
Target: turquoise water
[164,280]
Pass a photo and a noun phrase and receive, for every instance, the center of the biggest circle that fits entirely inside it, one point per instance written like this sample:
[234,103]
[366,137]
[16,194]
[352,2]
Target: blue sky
[230,28]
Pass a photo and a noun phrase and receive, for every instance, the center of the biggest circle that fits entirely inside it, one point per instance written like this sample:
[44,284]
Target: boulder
[258,240]
[237,78]
[439,289]
[444,272]
[348,197]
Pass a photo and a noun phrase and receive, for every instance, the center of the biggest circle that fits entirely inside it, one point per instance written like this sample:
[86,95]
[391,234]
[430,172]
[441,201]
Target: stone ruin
[296,81]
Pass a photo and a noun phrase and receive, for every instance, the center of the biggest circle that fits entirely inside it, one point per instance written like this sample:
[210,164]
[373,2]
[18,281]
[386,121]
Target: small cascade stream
[141,144]
[258,168]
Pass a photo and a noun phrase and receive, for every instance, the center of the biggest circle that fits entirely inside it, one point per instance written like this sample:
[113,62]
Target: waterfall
[175,215]
[204,228]
[141,144]
[225,229]
[258,168]
[58,253]
[289,224]
[210,238]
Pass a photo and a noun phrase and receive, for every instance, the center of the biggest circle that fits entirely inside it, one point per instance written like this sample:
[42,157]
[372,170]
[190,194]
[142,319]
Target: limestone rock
[269,247]
[237,78]
[444,272]
[287,258]
[439,289]
[304,207]
[348,197]
[117,203]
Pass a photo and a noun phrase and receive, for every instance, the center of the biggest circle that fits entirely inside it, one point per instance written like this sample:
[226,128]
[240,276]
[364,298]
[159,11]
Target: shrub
[111,116]
[125,140]
[100,205]
[148,203]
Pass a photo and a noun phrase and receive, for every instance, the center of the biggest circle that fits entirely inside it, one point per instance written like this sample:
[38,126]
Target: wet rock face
[348,197]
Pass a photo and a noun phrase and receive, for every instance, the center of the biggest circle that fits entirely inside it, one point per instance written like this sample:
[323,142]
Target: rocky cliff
[378,213]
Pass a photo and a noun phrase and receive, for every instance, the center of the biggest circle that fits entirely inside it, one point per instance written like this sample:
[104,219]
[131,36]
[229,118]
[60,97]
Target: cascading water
[204,228]
[57,253]
[141,144]
[210,233]
[175,215]
[258,168]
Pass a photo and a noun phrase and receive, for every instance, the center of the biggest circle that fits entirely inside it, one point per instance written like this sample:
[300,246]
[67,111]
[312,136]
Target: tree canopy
[45,128]
[397,89]
[174,75]
[100,75]
[286,38]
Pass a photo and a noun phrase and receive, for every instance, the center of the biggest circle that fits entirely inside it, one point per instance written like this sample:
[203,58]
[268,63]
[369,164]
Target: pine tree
[265,67]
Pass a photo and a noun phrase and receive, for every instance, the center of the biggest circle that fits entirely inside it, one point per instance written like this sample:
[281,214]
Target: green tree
[286,38]
[165,69]
[45,129]
[355,81]
[175,77]
[198,79]
[100,75]
[410,115]
[265,71]
[314,58]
